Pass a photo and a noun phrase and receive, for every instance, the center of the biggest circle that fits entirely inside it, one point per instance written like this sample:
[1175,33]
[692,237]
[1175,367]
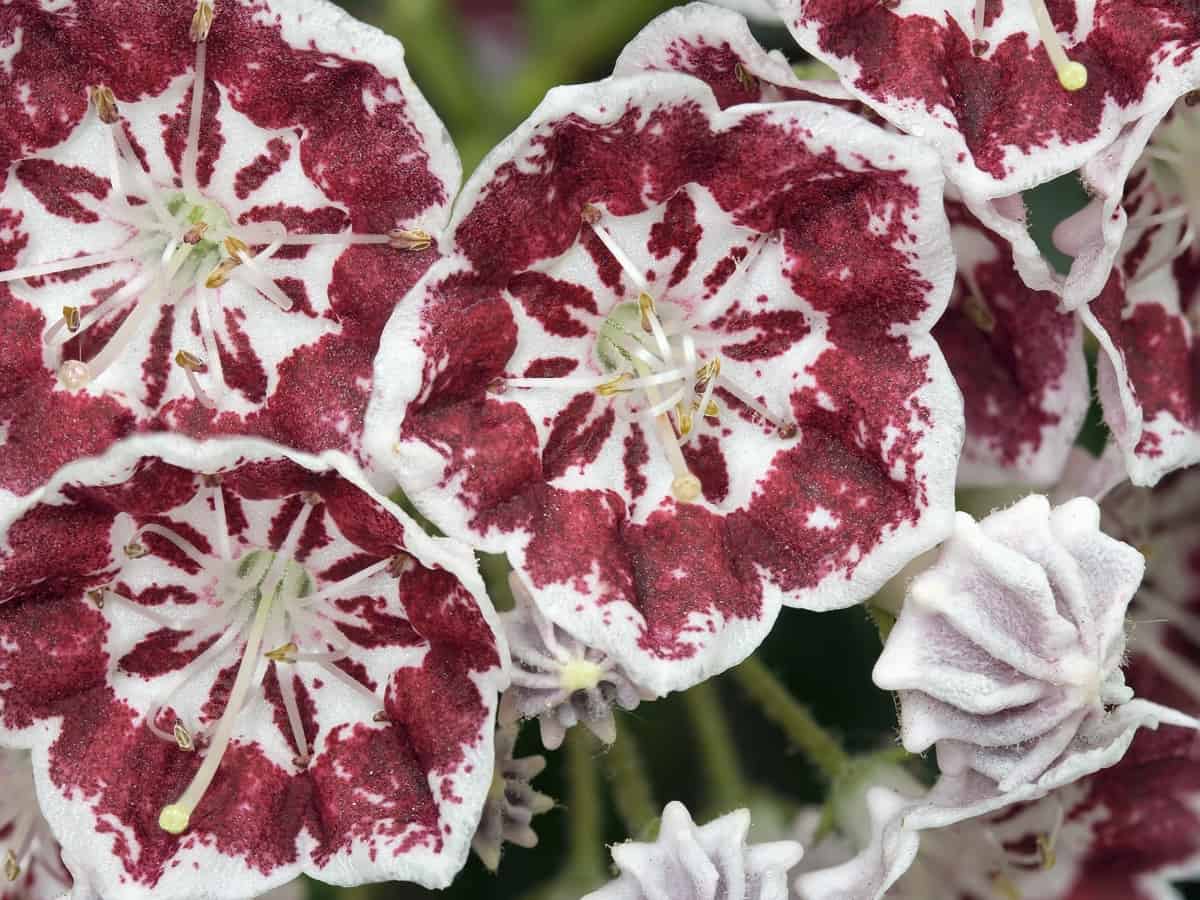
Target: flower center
[185,243]
[1071,75]
[282,618]
[1171,167]
[663,369]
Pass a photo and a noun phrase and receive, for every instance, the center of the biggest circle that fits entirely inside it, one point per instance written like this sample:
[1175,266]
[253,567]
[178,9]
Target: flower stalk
[726,785]
[631,790]
[822,749]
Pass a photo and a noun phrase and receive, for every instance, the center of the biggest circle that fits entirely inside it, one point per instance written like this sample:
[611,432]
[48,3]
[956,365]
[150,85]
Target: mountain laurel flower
[1125,831]
[191,242]
[964,75]
[716,46]
[559,680]
[1007,652]
[1017,359]
[705,862]
[676,364]
[225,656]
[512,802]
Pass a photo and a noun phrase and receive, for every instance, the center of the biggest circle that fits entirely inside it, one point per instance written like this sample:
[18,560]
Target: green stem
[777,703]
[725,786]
[586,825]
[632,794]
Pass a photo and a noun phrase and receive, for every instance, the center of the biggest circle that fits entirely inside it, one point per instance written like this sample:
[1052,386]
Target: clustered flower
[695,343]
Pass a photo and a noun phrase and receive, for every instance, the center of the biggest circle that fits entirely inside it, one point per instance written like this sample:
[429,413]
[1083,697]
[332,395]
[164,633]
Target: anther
[284,653]
[684,415]
[787,430]
[96,595]
[1045,845]
[889,4]
[105,102]
[212,480]
[399,564]
[615,386]
[221,272]
[195,233]
[189,361]
[1192,98]
[134,550]
[236,247]
[979,47]
[74,374]
[312,498]
[978,312]
[380,716]
[202,20]
[71,318]
[300,762]
[12,869]
[646,307]
[745,79]
[497,386]
[589,214]
[414,239]
[183,737]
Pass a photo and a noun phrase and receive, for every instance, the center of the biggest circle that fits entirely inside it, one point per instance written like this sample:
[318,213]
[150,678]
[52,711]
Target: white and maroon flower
[1018,361]
[231,659]
[706,862]
[212,260]
[31,865]
[1126,831]
[1007,652]
[678,367]
[1011,93]
[559,680]
[1148,368]
[716,46]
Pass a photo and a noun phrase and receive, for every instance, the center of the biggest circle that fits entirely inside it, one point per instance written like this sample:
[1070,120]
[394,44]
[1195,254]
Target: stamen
[222,526]
[287,690]
[125,149]
[195,233]
[1071,75]
[262,282]
[12,869]
[191,364]
[614,248]
[221,272]
[105,103]
[211,350]
[189,549]
[339,586]
[201,23]
[129,251]
[284,653]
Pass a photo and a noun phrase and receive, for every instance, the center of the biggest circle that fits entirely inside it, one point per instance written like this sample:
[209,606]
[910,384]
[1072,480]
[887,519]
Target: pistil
[1071,75]
[175,817]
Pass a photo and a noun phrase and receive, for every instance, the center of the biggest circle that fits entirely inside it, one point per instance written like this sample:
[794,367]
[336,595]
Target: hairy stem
[631,791]
[586,817]
[725,784]
[777,703]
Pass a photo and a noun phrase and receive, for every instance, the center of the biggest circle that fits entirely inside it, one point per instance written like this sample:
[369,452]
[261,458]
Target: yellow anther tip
[686,488]
[174,819]
[1073,76]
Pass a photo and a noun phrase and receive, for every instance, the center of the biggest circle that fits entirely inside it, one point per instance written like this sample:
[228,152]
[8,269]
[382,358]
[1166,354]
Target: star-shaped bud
[229,657]
[512,802]
[206,216]
[31,865]
[559,680]
[1018,360]
[677,366]
[965,74]
[1007,652]
[716,46]
[701,862]
[1126,831]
